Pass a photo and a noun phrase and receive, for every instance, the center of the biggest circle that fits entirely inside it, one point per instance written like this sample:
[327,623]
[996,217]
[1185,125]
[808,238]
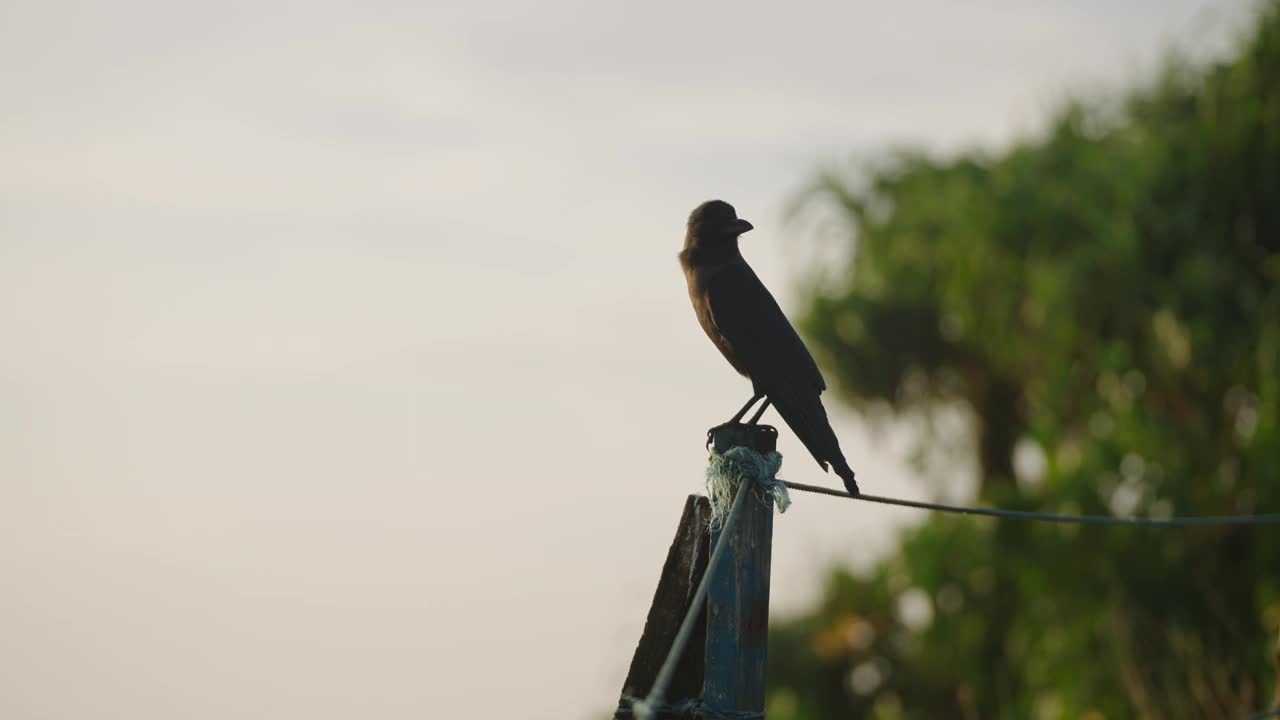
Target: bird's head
[714,224]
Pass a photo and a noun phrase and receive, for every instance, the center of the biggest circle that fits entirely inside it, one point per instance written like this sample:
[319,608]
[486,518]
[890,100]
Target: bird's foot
[711,432]
[711,435]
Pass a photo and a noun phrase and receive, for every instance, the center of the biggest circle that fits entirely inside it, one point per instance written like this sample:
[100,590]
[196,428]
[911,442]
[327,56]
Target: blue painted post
[738,599]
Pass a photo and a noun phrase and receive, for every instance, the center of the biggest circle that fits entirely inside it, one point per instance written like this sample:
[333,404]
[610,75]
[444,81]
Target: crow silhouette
[745,323]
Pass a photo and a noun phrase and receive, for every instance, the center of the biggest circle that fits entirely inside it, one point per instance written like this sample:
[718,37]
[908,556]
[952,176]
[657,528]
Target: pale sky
[348,371]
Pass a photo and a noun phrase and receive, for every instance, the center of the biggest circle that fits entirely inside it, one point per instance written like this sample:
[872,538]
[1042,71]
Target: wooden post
[738,602]
[685,566]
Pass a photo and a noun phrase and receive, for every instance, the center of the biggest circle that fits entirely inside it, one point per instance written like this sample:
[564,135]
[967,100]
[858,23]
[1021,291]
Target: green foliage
[1106,297]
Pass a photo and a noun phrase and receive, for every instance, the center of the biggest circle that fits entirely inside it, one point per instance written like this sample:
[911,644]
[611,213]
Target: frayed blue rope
[726,472]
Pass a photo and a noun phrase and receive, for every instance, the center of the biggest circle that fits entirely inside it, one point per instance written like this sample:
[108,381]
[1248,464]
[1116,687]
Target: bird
[747,326]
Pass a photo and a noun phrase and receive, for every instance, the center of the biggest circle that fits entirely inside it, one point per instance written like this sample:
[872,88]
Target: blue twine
[726,472]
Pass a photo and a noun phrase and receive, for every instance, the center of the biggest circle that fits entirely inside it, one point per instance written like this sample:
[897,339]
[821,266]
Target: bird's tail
[845,472]
[808,420]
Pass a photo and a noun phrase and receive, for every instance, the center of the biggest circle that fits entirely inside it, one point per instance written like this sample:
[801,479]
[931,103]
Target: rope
[1269,519]
[725,472]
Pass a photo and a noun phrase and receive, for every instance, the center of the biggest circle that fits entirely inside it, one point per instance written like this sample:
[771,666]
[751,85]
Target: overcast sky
[347,369]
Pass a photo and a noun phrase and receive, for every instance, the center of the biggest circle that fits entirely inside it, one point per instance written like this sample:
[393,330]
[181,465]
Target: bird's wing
[759,333]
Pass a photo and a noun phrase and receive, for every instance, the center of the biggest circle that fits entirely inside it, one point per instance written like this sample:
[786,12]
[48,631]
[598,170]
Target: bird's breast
[704,282]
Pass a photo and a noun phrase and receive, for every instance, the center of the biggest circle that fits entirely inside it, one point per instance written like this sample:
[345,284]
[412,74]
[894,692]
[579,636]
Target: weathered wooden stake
[685,566]
[738,603]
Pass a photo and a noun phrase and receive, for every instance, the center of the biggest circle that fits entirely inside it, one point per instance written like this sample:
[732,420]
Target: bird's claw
[711,432]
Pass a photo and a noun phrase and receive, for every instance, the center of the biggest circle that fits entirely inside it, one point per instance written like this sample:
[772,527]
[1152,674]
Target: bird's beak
[740,226]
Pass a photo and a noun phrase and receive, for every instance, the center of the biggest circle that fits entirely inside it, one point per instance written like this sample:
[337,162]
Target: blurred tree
[1104,303]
